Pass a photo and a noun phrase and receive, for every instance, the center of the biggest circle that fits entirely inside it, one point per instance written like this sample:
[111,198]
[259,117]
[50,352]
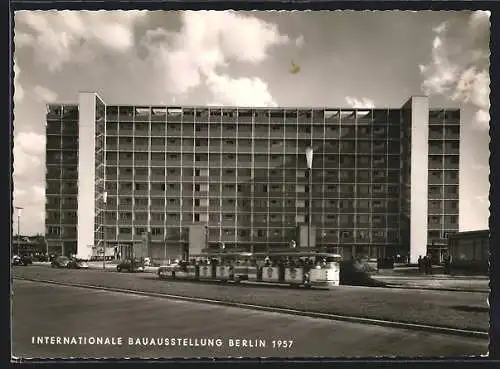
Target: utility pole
[18,210]
[309,159]
[105,201]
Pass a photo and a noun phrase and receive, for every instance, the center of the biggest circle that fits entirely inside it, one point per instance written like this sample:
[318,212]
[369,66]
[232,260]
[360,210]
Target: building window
[54,231]
[124,230]
[157,231]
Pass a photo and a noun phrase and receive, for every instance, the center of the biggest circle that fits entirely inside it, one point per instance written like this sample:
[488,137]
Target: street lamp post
[206,238]
[18,210]
[105,201]
[309,159]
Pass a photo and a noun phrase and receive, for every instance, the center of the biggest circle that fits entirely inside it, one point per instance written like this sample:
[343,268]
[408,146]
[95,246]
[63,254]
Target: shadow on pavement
[358,273]
[472,309]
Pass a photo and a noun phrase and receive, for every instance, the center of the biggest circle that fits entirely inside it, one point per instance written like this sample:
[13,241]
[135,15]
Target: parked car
[21,260]
[60,262]
[131,265]
[77,264]
[40,258]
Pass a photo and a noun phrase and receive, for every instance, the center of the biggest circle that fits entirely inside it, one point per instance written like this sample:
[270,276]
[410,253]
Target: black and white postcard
[250,184]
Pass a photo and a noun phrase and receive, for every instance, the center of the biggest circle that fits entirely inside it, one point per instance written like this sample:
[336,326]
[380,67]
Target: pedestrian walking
[447,264]
[425,261]
[420,263]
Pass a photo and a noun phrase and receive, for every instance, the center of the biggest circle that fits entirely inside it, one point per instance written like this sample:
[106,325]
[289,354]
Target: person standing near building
[420,263]
[447,264]
[424,264]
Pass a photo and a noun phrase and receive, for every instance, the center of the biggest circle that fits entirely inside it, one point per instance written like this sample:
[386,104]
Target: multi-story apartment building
[383,181]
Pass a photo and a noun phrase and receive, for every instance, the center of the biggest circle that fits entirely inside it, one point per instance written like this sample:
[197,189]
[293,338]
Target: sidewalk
[444,282]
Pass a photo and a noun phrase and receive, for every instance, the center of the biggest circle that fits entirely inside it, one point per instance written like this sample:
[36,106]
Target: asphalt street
[462,310]
[43,310]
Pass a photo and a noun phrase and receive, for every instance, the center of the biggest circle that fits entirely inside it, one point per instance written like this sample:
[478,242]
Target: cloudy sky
[244,58]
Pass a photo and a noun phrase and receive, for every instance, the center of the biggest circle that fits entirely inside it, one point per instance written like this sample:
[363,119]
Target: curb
[396,286]
[345,318]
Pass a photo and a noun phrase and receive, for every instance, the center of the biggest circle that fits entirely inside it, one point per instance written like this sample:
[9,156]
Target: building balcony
[226,133]
[435,225]
[121,191]
[121,162]
[158,193]
[177,148]
[200,150]
[435,164]
[122,207]
[158,148]
[451,135]
[451,165]
[244,133]
[451,150]
[450,196]
[436,135]
[140,163]
[436,150]
[124,222]
[124,132]
[169,163]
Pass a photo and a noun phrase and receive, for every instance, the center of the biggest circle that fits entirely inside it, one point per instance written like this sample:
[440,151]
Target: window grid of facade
[443,182]
[202,154]
[61,178]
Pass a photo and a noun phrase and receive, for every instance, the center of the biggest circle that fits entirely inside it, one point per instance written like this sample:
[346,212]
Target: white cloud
[299,41]
[482,119]
[479,18]
[59,37]
[473,86]
[18,89]
[480,167]
[440,73]
[251,92]
[363,103]
[23,39]
[441,28]
[39,192]
[209,40]
[459,65]
[28,150]
[484,199]
[18,194]
[44,94]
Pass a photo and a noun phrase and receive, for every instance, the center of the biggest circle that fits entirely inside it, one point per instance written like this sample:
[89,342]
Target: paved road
[41,310]
[450,309]
[436,281]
